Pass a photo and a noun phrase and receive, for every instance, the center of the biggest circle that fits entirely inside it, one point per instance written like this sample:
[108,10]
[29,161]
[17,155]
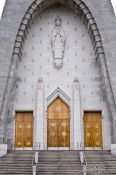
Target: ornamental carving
[58,93]
[64,133]
[58,41]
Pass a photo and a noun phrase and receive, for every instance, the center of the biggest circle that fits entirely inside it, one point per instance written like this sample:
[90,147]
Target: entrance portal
[93,129]
[24,130]
[58,124]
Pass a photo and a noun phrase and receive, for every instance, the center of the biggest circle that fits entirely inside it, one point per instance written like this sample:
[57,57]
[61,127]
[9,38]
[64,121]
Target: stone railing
[35,160]
[82,158]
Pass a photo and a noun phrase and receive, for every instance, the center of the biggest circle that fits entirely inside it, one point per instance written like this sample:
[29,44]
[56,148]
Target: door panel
[64,133]
[53,133]
[88,137]
[28,120]
[58,124]
[24,129]
[97,131]
[92,129]
[19,140]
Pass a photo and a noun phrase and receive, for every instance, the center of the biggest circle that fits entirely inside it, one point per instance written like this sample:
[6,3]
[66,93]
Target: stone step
[61,169]
[16,162]
[46,168]
[103,160]
[59,162]
[61,172]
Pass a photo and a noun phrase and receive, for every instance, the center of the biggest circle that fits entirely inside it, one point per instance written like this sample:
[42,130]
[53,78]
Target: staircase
[16,162]
[59,163]
[50,162]
[101,161]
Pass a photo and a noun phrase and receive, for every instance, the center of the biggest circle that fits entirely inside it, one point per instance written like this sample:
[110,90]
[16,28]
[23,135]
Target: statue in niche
[58,41]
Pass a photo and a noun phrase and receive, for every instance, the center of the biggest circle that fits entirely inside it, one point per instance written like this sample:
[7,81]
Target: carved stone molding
[58,93]
[98,109]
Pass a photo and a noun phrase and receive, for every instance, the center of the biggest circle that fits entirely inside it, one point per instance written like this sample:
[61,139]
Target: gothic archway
[58,124]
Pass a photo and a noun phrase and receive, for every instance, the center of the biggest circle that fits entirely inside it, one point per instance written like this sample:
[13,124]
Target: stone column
[77,115]
[39,118]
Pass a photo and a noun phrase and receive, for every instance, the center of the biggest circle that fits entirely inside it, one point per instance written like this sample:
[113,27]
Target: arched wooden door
[58,124]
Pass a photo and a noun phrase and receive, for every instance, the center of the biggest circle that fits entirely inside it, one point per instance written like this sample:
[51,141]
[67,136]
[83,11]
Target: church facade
[57,75]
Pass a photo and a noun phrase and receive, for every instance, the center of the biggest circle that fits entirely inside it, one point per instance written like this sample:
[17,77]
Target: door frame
[58,148]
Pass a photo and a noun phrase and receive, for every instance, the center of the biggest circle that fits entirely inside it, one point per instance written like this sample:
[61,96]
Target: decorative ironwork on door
[58,124]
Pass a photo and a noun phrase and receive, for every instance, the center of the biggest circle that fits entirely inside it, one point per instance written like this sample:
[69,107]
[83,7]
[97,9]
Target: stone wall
[12,16]
[79,62]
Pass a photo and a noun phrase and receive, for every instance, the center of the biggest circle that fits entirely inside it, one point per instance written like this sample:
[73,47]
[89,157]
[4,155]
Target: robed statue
[58,41]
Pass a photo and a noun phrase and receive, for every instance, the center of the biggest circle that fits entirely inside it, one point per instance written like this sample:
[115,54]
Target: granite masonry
[57,48]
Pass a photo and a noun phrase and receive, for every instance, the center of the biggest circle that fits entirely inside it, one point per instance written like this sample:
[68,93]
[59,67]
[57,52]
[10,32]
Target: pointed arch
[78,6]
[81,9]
[58,124]
[58,93]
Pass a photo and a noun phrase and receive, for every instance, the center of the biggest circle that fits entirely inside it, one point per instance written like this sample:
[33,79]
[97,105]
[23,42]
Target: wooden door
[24,129]
[64,133]
[92,129]
[58,124]
[19,130]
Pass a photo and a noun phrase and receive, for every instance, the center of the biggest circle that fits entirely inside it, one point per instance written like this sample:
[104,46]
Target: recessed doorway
[24,130]
[93,130]
[58,125]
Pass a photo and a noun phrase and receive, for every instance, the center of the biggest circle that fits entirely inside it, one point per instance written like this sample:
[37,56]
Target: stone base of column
[3,149]
[113,149]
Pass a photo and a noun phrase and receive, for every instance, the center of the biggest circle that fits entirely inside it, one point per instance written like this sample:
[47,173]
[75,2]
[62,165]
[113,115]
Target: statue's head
[58,21]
